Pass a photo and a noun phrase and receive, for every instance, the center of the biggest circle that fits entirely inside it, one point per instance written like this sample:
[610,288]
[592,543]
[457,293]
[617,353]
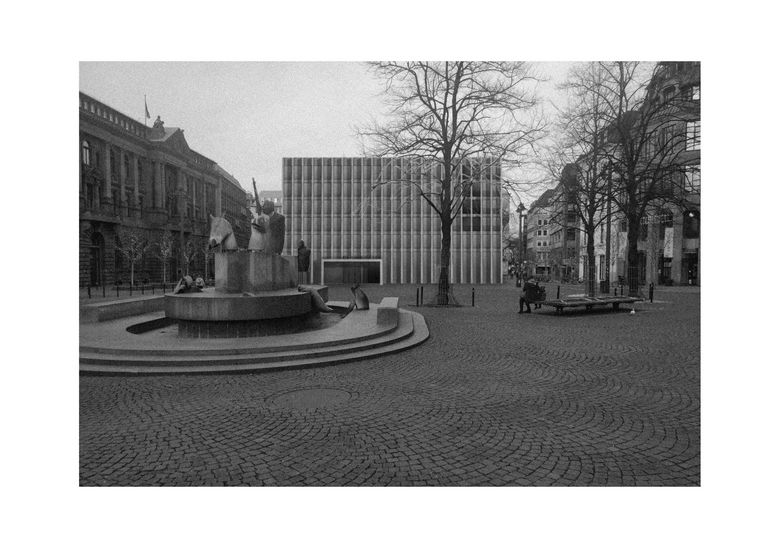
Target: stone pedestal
[251,271]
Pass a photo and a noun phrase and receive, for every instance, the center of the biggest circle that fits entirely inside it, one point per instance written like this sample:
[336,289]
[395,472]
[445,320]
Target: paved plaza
[491,398]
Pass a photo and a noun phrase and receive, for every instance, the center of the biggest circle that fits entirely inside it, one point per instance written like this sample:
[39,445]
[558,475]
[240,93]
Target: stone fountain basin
[210,305]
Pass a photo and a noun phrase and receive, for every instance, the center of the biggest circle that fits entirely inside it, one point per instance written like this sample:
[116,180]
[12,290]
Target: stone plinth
[239,271]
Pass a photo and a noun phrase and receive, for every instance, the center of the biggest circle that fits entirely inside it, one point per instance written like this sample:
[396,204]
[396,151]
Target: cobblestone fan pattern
[492,398]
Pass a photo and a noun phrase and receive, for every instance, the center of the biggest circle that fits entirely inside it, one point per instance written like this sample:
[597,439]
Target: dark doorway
[96,255]
[352,272]
[690,268]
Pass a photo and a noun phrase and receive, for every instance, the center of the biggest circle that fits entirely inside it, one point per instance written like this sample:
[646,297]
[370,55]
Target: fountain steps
[410,331]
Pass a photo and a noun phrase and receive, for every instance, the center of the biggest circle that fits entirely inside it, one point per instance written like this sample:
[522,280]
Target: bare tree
[133,244]
[208,253]
[165,253]
[581,150]
[648,138]
[189,252]
[461,120]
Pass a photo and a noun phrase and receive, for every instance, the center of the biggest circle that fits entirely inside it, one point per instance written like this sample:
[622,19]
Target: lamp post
[520,210]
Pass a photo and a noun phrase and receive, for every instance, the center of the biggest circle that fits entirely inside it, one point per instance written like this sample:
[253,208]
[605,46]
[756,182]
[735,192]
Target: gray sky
[248,116]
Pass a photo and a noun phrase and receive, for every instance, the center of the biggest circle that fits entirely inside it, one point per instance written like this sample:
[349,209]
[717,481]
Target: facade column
[181,207]
[218,198]
[158,187]
[679,278]
[194,196]
[135,160]
[107,168]
[82,191]
[122,181]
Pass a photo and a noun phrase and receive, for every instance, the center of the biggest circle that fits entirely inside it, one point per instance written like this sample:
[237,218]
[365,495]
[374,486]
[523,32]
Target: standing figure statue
[304,261]
[260,224]
[268,227]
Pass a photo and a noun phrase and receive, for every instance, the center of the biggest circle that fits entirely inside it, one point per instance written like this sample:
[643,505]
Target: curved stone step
[411,331]
[255,355]
[357,326]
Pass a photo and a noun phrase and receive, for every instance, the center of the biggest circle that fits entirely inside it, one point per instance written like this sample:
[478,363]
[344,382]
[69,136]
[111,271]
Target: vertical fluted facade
[369,210]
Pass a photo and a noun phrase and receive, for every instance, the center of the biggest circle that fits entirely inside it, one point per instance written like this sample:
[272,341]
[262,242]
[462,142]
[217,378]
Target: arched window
[85,153]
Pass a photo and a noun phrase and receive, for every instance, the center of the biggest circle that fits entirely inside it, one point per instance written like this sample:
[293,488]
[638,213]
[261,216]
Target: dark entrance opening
[690,268]
[96,255]
[346,272]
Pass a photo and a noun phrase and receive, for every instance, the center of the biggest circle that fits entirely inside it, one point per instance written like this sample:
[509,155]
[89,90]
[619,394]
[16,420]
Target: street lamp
[520,210]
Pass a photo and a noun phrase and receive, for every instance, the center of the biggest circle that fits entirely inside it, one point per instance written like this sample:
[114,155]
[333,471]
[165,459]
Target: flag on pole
[146,107]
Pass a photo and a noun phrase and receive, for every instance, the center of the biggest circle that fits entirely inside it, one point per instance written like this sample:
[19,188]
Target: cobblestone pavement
[492,398]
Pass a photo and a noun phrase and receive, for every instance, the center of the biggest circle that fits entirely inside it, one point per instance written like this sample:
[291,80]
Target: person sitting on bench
[528,294]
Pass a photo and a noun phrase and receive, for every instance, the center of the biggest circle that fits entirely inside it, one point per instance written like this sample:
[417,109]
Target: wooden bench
[588,303]
[387,312]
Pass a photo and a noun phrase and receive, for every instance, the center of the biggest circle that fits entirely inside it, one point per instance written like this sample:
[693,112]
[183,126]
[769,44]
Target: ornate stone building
[149,181]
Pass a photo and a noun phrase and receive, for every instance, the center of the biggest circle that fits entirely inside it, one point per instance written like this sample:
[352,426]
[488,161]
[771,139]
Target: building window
[694,135]
[85,153]
[538,232]
[538,243]
[691,93]
[539,222]
[692,179]
[666,218]
[691,227]
[544,232]
[546,222]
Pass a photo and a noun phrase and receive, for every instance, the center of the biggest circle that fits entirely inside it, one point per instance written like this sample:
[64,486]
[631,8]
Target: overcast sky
[248,116]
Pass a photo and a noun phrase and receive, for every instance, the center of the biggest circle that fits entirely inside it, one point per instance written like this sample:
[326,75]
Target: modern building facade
[362,230]
[147,180]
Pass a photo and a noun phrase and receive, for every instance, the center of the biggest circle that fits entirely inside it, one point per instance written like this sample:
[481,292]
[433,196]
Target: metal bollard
[615,291]
[621,289]
[417,303]
[421,295]
[473,297]
[558,292]
[89,291]
[651,292]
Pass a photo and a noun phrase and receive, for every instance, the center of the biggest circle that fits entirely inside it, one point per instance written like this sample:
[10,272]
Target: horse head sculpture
[221,234]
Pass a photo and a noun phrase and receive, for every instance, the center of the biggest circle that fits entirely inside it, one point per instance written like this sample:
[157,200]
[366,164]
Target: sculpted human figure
[260,225]
[304,257]
[276,228]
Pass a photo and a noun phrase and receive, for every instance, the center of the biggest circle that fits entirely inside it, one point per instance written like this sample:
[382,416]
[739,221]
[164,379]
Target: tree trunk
[591,261]
[634,227]
[442,298]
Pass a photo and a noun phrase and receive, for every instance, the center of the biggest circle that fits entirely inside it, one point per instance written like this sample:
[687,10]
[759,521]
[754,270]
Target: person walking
[528,293]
